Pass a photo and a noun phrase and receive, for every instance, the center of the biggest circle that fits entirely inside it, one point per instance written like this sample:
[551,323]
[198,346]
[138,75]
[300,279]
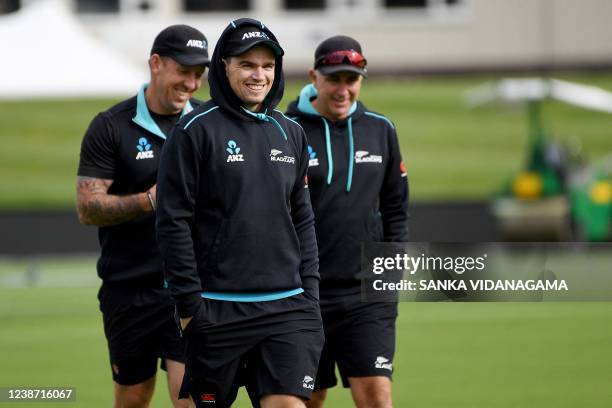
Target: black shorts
[270,347]
[140,328]
[359,337]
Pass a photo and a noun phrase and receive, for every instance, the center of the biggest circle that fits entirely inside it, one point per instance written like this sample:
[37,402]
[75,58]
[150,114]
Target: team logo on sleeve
[384,363]
[234,152]
[144,148]
[278,156]
[362,156]
[312,157]
[208,398]
[308,382]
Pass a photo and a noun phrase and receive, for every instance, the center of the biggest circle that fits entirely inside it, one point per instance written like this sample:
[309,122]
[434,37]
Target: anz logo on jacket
[233,150]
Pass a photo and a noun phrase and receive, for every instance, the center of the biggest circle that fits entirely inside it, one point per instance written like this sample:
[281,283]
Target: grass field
[451,151]
[461,355]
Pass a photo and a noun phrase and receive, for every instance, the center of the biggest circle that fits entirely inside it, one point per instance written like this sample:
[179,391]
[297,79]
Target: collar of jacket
[308,93]
[143,117]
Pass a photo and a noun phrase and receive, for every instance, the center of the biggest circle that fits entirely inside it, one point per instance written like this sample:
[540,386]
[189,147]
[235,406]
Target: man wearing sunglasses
[359,193]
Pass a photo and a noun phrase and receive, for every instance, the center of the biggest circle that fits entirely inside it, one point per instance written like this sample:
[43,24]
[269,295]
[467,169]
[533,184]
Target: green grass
[451,151]
[40,151]
[448,354]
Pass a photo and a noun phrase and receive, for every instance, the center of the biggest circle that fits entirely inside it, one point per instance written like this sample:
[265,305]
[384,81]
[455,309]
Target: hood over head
[229,44]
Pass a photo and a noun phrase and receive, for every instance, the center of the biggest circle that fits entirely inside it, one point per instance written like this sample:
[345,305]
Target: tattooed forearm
[96,207]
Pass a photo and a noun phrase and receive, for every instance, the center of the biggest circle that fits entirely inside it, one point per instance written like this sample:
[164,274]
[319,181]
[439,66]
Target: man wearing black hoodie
[236,230]
[359,193]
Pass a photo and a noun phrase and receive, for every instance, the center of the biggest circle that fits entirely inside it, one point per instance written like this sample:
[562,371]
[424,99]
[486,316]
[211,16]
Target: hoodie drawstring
[304,105]
[271,119]
[330,160]
[266,118]
[349,180]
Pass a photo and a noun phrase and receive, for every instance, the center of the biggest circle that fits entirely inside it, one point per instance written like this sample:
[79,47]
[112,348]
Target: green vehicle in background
[590,192]
[557,196]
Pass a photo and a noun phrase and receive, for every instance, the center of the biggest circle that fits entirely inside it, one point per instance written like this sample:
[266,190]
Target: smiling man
[251,75]
[236,230]
[359,193]
[116,191]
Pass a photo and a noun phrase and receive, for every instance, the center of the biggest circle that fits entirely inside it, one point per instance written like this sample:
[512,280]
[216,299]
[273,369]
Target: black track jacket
[124,144]
[358,187]
[234,213]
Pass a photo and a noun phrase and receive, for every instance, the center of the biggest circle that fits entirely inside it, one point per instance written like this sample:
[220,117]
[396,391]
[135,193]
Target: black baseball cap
[182,43]
[247,37]
[340,53]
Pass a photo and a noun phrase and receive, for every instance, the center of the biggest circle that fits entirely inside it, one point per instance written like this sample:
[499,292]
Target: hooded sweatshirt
[234,219]
[358,187]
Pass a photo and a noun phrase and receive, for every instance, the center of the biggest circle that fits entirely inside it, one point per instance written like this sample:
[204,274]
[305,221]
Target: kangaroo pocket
[262,254]
[341,247]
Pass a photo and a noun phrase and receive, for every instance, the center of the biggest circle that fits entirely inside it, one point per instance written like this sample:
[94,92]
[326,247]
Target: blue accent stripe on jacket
[288,118]
[198,115]
[380,117]
[251,297]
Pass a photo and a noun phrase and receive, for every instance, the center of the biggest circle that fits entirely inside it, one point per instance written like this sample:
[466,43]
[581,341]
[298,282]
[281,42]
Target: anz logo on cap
[196,43]
[255,34]
[233,150]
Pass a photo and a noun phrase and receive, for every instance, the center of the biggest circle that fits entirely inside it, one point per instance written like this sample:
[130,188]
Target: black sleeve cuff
[311,287]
